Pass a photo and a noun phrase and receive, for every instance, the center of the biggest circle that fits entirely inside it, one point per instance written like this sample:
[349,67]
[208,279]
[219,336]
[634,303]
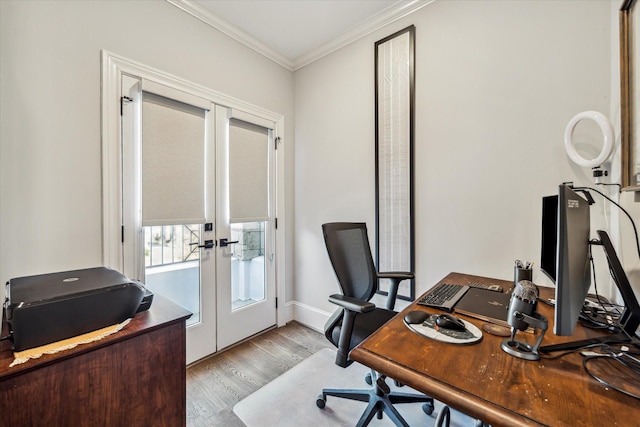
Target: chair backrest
[350,254]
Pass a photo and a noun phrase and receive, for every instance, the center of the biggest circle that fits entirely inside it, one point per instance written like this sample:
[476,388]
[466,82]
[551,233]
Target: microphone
[522,314]
[524,301]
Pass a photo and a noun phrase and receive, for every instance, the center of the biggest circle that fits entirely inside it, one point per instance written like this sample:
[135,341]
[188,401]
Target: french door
[246,297]
[216,257]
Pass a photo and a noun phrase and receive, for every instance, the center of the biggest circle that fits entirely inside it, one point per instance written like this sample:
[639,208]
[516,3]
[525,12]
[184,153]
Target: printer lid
[52,286]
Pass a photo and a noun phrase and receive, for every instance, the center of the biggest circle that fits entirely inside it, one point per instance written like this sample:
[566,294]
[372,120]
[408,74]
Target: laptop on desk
[485,305]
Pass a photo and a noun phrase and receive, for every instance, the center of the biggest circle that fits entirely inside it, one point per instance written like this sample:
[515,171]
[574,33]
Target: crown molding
[385,17]
[232,31]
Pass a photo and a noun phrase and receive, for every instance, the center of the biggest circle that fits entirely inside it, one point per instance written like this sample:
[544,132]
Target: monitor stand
[630,319]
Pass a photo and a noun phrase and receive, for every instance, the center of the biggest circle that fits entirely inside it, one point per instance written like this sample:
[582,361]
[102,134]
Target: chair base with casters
[381,400]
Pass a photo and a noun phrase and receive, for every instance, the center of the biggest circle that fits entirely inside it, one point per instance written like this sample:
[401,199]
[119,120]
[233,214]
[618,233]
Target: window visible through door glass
[172,264]
[247,264]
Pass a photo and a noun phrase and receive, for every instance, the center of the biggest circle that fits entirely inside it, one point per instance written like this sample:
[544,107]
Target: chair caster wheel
[368,380]
[428,408]
[321,402]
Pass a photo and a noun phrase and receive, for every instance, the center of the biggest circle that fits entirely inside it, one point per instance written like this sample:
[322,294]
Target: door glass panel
[172,265]
[247,264]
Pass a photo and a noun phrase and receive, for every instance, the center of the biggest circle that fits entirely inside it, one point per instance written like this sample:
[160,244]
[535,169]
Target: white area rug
[290,400]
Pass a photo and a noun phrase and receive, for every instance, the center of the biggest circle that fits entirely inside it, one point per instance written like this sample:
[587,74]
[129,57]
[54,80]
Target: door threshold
[234,345]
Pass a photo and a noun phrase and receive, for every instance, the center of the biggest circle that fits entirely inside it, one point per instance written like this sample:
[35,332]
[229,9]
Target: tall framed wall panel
[394,139]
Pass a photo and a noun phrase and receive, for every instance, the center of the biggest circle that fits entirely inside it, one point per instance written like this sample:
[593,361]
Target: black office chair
[350,255]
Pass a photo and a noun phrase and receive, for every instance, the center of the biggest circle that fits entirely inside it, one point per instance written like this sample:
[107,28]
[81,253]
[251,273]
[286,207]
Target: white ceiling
[295,33]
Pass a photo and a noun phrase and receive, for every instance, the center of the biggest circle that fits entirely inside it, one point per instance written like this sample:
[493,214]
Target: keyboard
[443,296]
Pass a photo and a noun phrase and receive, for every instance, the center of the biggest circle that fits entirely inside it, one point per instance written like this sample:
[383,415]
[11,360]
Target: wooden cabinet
[136,377]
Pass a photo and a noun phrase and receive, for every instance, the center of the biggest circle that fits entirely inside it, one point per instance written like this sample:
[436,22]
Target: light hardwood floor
[216,384]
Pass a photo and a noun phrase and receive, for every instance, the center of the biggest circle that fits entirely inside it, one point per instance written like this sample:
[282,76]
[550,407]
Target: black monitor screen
[549,236]
[573,270]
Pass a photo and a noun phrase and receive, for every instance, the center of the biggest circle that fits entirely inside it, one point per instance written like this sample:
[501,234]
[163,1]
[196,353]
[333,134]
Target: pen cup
[521,274]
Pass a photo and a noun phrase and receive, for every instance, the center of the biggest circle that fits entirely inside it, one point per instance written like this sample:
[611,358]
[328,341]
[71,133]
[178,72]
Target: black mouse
[416,316]
[449,321]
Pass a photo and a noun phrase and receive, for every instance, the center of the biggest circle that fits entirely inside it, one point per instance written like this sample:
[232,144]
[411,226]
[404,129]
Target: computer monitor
[549,246]
[630,319]
[570,221]
[573,270]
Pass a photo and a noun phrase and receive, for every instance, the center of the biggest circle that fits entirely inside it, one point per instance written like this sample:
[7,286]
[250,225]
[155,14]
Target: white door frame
[113,67]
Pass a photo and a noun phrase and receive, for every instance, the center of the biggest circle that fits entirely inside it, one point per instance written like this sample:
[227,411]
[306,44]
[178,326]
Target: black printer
[50,307]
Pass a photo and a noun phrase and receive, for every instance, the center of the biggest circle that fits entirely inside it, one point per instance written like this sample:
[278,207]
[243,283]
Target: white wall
[496,84]
[50,152]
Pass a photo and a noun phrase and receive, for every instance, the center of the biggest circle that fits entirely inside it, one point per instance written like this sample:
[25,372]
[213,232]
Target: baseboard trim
[309,316]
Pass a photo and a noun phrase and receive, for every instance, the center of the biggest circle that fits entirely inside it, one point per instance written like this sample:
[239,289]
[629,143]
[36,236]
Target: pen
[526,266]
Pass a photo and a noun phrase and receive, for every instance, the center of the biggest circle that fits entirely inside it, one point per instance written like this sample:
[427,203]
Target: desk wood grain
[484,382]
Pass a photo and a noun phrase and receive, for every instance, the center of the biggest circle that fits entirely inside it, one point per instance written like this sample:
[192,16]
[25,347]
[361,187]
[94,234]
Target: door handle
[208,244]
[224,242]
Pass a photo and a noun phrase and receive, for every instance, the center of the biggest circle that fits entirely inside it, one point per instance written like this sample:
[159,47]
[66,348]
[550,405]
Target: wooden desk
[484,382]
[136,377]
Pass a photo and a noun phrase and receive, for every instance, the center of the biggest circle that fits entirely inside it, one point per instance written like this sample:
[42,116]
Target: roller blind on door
[248,172]
[173,161]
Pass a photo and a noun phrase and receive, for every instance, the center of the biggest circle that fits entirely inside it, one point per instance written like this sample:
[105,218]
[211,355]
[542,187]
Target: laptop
[485,305]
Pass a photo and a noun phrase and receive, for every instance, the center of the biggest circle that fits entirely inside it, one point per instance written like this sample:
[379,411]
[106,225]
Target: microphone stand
[522,349]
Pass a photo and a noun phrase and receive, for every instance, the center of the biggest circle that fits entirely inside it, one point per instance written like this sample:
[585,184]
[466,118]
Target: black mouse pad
[429,329]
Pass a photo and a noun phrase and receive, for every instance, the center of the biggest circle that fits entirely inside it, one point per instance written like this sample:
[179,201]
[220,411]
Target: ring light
[607,132]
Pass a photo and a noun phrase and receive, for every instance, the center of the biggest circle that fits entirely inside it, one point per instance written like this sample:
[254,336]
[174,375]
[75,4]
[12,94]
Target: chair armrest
[352,307]
[396,277]
[402,275]
[352,304]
